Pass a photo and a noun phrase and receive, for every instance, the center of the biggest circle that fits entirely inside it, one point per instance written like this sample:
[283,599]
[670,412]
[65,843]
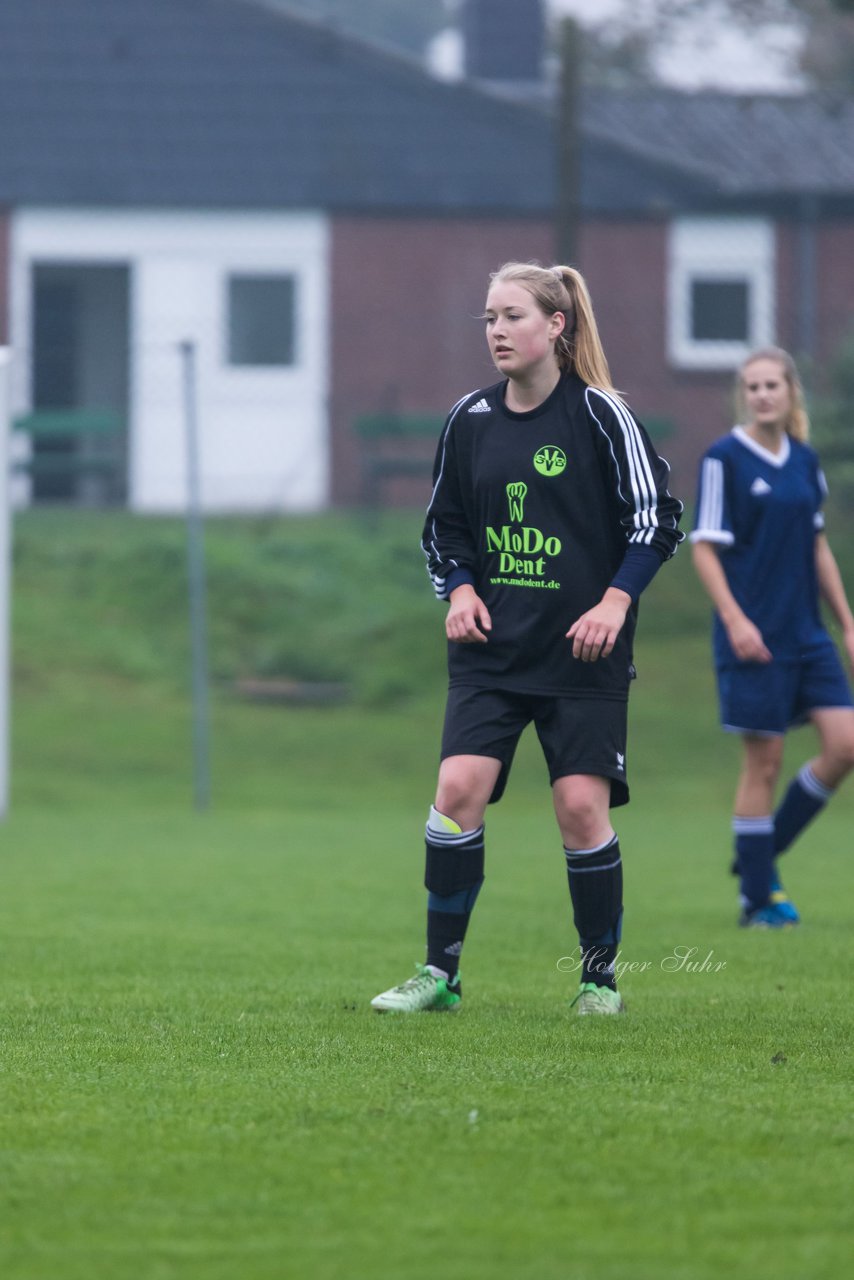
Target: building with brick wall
[318,217]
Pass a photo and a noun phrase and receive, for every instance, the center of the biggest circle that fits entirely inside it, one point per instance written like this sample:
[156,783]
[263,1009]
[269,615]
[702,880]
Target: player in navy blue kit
[550,514]
[761,553]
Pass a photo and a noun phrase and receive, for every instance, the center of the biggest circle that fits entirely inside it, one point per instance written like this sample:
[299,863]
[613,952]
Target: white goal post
[5,575]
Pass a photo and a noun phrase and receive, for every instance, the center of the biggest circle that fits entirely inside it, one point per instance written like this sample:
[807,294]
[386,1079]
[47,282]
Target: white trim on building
[263,428]
[720,290]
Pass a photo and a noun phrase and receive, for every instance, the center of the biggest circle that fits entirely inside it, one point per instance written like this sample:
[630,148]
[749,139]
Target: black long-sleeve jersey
[538,510]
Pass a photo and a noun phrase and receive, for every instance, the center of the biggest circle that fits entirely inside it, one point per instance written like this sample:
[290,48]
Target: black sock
[446,932]
[596,888]
[453,877]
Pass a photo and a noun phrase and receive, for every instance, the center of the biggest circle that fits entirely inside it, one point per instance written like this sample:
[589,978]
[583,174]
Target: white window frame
[724,249]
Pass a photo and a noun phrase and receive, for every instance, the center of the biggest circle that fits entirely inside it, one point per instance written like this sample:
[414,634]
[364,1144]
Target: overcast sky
[709,52]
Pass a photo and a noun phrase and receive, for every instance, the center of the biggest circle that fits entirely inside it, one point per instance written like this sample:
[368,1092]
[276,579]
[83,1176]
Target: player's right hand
[747,643]
[468,617]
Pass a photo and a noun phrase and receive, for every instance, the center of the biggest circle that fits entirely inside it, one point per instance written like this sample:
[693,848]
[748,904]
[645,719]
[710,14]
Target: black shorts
[578,735]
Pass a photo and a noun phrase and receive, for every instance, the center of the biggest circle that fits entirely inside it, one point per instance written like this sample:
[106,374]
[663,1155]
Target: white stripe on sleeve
[711,514]
[640,477]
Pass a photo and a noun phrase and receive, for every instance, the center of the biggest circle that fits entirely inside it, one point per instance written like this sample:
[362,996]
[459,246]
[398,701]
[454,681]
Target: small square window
[720,310]
[261,320]
[721,290]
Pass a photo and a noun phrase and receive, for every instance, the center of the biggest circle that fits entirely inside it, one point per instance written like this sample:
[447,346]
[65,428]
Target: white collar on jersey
[773,459]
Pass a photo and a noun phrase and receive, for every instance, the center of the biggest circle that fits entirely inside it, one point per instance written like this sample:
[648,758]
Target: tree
[622,50]
[827,26]
[828,52]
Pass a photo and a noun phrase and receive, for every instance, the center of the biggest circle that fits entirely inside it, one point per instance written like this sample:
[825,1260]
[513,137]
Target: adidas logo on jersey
[760,486]
[480,407]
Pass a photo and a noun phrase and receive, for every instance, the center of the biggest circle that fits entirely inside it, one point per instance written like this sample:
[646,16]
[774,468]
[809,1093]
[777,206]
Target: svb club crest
[550,460]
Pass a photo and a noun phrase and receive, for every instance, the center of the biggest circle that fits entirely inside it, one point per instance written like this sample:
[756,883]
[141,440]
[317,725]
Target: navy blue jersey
[763,510]
[538,510]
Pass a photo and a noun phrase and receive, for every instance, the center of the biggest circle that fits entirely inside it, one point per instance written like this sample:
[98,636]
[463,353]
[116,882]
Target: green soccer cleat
[593,999]
[424,993]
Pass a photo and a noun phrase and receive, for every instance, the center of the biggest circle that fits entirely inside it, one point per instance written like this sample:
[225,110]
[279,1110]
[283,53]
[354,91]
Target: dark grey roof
[229,103]
[620,179]
[235,104]
[742,146]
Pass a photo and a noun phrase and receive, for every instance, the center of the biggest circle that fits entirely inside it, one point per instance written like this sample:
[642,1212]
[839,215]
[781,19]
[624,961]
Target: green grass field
[193,1082]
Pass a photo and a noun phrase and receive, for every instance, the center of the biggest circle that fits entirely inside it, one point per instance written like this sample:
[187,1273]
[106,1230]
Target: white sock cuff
[813,787]
[599,848]
[753,826]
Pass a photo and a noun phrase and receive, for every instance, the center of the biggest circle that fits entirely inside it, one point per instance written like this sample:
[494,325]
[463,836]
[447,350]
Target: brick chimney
[504,40]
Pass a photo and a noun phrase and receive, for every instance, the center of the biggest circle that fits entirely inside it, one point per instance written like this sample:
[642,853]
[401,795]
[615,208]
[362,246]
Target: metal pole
[807,278]
[197,587]
[569,145]
[5,577]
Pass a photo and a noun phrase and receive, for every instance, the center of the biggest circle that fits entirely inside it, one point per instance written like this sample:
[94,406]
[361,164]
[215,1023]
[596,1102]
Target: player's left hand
[595,633]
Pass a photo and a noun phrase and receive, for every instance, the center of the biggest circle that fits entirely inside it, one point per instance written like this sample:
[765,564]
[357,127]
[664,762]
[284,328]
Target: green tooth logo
[550,460]
[516,497]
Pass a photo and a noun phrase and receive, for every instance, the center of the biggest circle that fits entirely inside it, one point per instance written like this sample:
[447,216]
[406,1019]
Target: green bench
[68,444]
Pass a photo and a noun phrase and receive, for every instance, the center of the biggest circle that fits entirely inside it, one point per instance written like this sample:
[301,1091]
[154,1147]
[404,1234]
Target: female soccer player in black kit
[550,514]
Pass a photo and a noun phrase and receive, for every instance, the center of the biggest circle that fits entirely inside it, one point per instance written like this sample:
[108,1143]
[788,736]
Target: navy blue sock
[804,799]
[596,888]
[447,923]
[453,877]
[754,853]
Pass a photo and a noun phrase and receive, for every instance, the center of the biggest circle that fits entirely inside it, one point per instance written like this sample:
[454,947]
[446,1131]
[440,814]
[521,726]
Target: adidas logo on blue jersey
[480,407]
[760,486]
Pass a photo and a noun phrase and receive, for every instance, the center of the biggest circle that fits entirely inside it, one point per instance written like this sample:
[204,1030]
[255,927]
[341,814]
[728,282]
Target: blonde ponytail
[584,346]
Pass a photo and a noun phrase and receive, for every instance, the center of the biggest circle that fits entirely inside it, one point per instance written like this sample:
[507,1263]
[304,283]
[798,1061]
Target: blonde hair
[579,346]
[798,423]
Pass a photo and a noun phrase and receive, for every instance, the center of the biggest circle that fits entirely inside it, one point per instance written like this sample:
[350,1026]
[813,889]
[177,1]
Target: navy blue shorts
[771,697]
[578,735]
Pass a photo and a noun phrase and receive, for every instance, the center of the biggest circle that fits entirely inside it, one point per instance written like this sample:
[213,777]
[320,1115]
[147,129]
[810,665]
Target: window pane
[719,310]
[261,320]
